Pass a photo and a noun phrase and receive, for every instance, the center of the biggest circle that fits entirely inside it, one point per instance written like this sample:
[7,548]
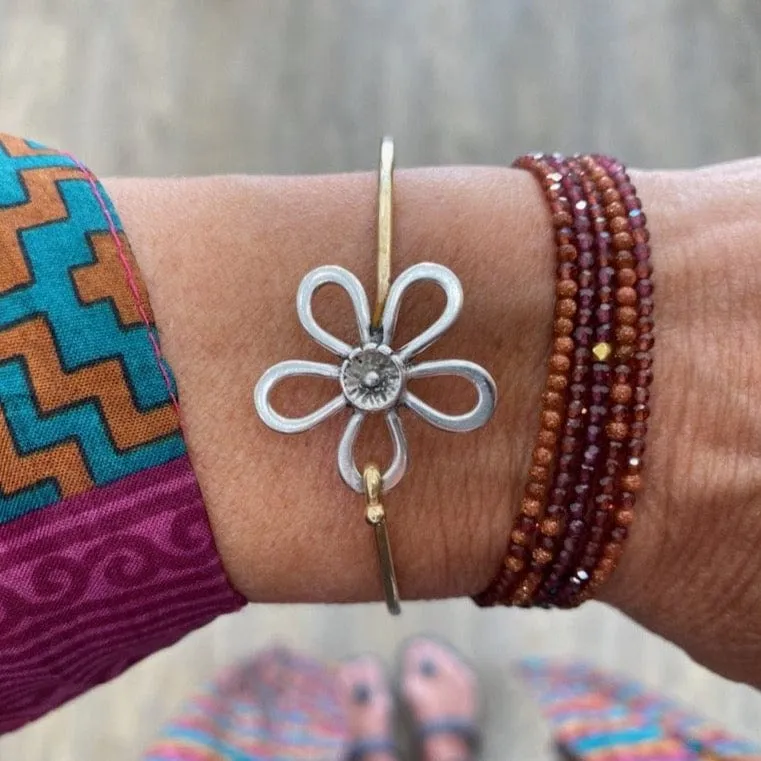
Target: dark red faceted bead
[642,360]
[600,393]
[641,395]
[619,413]
[627,500]
[619,534]
[593,433]
[577,391]
[582,335]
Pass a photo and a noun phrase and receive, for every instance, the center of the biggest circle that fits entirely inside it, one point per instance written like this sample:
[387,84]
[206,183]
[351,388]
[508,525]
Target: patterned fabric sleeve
[106,554]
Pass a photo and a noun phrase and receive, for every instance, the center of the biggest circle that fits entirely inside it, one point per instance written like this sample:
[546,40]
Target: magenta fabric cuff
[106,554]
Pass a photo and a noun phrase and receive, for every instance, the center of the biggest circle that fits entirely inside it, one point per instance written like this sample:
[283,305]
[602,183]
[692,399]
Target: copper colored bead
[625,259]
[514,564]
[626,296]
[539,473]
[617,431]
[567,253]
[605,567]
[541,556]
[547,438]
[551,420]
[604,182]
[564,326]
[542,456]
[626,276]
[562,219]
[563,345]
[624,352]
[531,507]
[553,400]
[621,393]
[559,363]
[622,241]
[625,517]
[641,235]
[556,382]
[550,527]
[519,538]
[612,550]
[626,334]
[626,315]
[616,209]
[619,225]
[535,490]
[611,196]
[565,308]
[566,289]
[631,482]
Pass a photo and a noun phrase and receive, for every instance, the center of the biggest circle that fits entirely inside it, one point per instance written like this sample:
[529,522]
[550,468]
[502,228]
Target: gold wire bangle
[385,227]
[375,515]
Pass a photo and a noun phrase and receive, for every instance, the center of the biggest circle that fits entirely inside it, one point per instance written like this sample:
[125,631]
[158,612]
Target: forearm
[223,258]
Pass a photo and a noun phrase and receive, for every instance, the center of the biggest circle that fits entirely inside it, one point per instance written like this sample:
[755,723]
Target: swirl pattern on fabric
[106,554]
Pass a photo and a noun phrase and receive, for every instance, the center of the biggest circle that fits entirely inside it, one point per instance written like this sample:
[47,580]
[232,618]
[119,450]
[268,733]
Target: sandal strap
[462,728]
[361,748]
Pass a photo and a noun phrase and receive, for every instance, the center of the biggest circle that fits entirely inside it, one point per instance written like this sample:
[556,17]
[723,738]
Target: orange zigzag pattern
[63,462]
[17,147]
[44,205]
[104,278]
[105,382]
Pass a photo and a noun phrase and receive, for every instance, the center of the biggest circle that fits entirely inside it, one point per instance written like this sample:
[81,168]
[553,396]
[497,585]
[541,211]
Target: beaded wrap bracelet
[585,471]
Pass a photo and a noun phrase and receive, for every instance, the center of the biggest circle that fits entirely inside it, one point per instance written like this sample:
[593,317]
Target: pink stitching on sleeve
[131,280]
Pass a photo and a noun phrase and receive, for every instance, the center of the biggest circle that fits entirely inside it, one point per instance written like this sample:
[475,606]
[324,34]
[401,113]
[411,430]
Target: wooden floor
[193,86]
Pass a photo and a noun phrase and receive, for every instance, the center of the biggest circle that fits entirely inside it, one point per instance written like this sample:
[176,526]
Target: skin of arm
[222,258]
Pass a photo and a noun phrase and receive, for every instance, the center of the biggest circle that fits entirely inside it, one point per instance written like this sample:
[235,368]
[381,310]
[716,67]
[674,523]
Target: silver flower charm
[372,375]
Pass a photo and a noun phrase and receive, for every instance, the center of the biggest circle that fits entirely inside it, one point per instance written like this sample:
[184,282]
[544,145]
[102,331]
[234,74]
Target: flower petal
[331,274]
[348,468]
[468,421]
[289,369]
[447,281]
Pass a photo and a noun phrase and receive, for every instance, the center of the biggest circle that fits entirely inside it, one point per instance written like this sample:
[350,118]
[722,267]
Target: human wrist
[223,258]
[223,288]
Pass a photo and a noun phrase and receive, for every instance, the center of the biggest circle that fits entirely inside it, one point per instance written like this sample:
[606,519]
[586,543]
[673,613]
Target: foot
[441,690]
[369,707]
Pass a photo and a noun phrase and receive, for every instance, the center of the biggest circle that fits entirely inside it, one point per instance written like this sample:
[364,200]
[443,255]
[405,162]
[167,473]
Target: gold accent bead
[375,514]
[602,351]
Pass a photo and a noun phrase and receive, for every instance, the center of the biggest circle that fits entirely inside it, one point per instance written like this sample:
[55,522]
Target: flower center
[372,378]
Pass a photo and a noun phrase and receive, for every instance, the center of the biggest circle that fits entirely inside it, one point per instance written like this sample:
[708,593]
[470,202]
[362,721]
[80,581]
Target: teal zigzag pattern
[85,336]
